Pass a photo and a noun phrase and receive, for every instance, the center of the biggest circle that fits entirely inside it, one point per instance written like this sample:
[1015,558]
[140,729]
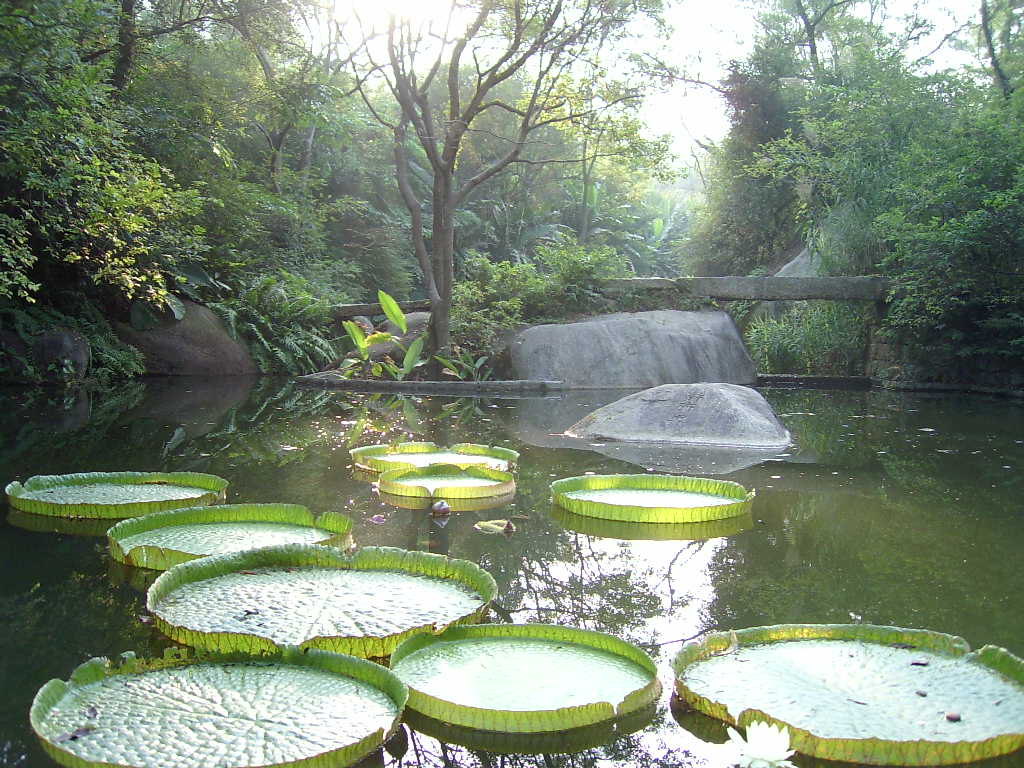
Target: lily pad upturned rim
[502,483]
[641,531]
[866,751]
[465,572]
[742,498]
[536,721]
[368,455]
[422,503]
[212,490]
[567,741]
[100,668]
[333,524]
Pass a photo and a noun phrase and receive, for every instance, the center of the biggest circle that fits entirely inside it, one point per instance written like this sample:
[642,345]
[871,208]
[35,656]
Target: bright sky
[708,34]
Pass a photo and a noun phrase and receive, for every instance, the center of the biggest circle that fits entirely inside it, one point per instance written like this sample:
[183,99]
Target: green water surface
[902,509]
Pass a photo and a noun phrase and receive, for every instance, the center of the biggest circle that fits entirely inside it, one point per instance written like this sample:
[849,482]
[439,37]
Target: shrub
[814,338]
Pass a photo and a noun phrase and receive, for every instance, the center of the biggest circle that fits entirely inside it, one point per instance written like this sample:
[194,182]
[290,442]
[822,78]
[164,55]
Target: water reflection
[891,509]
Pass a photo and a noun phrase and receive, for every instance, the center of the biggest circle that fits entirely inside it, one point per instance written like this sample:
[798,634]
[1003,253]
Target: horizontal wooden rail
[761,288]
[345,311]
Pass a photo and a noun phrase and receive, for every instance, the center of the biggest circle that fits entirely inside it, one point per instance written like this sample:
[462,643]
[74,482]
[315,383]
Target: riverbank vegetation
[273,159]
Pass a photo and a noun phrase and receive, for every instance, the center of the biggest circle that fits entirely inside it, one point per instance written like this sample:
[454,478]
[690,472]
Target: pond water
[891,508]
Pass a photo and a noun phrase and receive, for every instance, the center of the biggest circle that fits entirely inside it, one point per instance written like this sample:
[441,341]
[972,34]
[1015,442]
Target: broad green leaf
[412,356]
[296,709]
[176,305]
[627,530]
[522,678]
[164,539]
[447,481]
[355,333]
[382,458]
[861,693]
[114,494]
[652,498]
[316,597]
[392,311]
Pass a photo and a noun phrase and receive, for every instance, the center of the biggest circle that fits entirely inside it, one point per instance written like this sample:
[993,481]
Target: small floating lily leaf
[295,709]
[853,692]
[652,498]
[314,596]
[382,458]
[622,529]
[495,526]
[164,539]
[446,481]
[524,678]
[114,494]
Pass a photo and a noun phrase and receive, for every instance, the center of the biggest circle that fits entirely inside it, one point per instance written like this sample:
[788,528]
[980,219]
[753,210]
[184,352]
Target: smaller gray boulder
[703,414]
[62,354]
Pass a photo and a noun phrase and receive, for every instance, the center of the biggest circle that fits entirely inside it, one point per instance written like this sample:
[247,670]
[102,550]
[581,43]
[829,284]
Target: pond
[891,508]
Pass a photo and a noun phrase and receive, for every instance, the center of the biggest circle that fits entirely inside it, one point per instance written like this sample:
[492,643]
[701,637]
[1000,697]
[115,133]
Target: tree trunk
[127,39]
[993,56]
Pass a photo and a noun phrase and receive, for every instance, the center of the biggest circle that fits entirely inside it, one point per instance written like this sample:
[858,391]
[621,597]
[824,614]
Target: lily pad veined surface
[524,678]
[652,498]
[164,539]
[308,710]
[314,596]
[629,531]
[861,693]
[114,494]
[446,481]
[383,458]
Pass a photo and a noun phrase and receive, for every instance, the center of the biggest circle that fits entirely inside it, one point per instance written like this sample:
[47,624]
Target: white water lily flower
[766,746]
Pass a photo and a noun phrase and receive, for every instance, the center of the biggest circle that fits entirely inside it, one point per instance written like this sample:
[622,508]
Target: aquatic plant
[447,481]
[382,458]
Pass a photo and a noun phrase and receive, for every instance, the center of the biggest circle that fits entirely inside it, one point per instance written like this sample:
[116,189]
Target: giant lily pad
[446,481]
[455,504]
[316,597]
[72,526]
[861,693]
[543,742]
[652,498]
[164,539]
[622,529]
[114,494]
[524,678]
[309,710]
[383,458]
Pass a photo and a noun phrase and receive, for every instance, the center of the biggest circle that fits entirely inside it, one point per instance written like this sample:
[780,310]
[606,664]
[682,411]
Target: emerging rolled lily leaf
[446,481]
[295,709]
[524,678]
[383,458]
[652,498]
[455,504]
[621,529]
[72,526]
[316,597]
[545,742]
[114,494]
[164,539]
[861,693]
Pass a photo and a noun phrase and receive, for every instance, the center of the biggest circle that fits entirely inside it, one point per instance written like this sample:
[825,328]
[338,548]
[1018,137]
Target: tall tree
[480,45]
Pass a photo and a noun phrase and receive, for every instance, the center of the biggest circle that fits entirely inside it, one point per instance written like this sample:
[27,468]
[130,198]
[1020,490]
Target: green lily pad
[316,597]
[652,498]
[164,539]
[446,481]
[383,458]
[114,494]
[546,742]
[457,505]
[72,526]
[524,678]
[308,710]
[622,529]
[861,693]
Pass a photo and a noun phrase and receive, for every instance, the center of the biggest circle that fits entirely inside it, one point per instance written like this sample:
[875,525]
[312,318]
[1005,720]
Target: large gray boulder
[636,349]
[196,345]
[703,414]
